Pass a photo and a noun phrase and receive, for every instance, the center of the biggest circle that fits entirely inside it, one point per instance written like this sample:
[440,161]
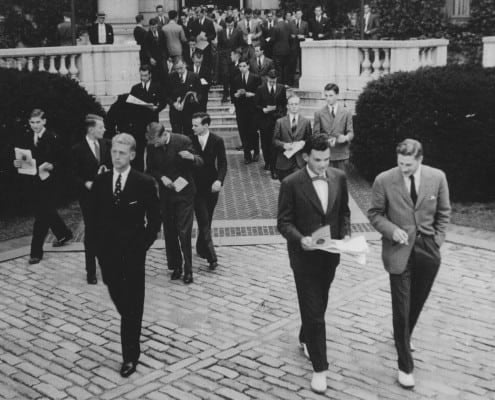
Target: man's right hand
[17,163]
[152,61]
[307,243]
[400,236]
[88,184]
[167,182]
[287,146]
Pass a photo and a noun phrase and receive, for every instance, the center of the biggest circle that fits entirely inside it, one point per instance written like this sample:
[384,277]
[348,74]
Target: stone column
[121,15]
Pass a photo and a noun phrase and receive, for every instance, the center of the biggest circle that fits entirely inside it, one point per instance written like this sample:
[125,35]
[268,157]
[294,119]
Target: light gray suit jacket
[334,127]
[392,208]
[175,36]
[283,134]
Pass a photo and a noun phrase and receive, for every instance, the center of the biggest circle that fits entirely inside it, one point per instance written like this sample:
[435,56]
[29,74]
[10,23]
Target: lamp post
[73,21]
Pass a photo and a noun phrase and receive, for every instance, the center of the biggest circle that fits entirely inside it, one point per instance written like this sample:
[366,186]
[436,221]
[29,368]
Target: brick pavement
[233,333]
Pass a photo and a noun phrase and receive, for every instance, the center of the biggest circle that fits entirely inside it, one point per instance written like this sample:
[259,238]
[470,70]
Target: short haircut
[229,19]
[332,86]
[91,120]
[139,18]
[158,7]
[318,6]
[172,14]
[293,96]
[248,11]
[272,74]
[236,51]
[244,60]
[279,14]
[198,54]
[153,131]
[37,113]
[256,12]
[317,142]
[410,147]
[126,139]
[205,118]
[145,68]
[153,21]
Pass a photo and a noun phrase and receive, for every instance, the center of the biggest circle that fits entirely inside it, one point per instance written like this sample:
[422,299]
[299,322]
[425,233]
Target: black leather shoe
[213,266]
[239,148]
[176,274]
[247,160]
[256,157]
[274,175]
[34,260]
[188,278]
[62,241]
[128,368]
[266,167]
[201,255]
[91,279]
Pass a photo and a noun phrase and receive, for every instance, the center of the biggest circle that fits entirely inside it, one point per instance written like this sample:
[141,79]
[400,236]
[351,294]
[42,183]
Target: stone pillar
[121,15]
[489,51]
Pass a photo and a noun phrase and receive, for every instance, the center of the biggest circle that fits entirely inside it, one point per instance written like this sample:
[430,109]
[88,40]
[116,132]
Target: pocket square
[433,197]
[131,203]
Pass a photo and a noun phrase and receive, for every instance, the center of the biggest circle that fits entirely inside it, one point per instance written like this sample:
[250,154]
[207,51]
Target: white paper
[249,38]
[28,164]
[137,102]
[203,81]
[180,183]
[43,173]
[296,146]
[232,110]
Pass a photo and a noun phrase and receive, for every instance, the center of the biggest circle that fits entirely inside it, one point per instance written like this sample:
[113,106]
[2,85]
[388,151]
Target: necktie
[272,91]
[333,111]
[259,63]
[298,24]
[248,27]
[229,33]
[36,139]
[294,125]
[97,151]
[319,178]
[414,195]
[244,80]
[118,190]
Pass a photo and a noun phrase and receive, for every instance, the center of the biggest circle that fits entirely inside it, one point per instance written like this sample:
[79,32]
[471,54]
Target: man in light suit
[252,33]
[336,122]
[175,36]
[289,130]
[126,213]
[309,199]
[301,32]
[371,24]
[411,209]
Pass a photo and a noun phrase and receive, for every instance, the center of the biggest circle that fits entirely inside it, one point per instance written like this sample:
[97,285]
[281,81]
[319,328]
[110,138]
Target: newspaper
[137,102]
[180,183]
[296,147]
[28,164]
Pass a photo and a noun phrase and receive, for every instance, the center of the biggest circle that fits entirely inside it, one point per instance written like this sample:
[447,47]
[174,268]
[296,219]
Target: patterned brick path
[232,334]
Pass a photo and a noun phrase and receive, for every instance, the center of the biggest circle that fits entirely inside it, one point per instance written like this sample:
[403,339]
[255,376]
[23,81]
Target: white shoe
[319,382]
[304,349]
[411,346]
[406,380]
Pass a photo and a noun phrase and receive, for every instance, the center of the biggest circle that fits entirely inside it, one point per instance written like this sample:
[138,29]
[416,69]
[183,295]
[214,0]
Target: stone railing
[489,51]
[103,70]
[351,64]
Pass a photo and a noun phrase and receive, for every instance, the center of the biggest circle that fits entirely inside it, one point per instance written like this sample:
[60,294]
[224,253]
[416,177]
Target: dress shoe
[247,160]
[176,274]
[188,278]
[200,254]
[256,157]
[91,279]
[128,368]
[319,382]
[213,266]
[63,240]
[304,349]
[274,175]
[405,380]
[239,148]
[411,347]
[34,260]
[267,167]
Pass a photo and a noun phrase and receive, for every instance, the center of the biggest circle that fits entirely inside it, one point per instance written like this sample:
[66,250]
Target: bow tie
[319,178]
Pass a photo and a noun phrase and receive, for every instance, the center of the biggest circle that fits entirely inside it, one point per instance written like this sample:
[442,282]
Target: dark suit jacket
[225,46]
[165,161]
[215,163]
[156,48]
[85,166]
[207,27]
[178,89]
[266,66]
[253,83]
[263,98]
[323,27]
[283,134]
[302,30]
[124,232]
[280,39]
[300,214]
[153,95]
[93,34]
[373,27]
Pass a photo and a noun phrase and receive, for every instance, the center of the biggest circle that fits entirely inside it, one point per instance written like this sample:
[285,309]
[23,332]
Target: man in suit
[261,64]
[203,30]
[335,121]
[171,156]
[160,17]
[371,24]
[189,51]
[267,28]
[123,199]
[184,96]
[289,130]
[90,157]
[242,93]
[271,104]
[149,91]
[203,72]
[252,33]
[319,27]
[140,36]
[309,199]
[410,207]
[64,31]
[209,181]
[280,42]
[229,39]
[155,47]
[100,32]
[175,36]
[300,29]
[46,150]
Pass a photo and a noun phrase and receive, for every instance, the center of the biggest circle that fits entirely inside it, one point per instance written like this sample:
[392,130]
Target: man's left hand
[216,186]
[341,139]
[186,155]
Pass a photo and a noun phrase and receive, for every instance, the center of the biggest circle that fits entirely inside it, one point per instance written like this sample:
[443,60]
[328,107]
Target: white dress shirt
[203,139]
[92,145]
[38,136]
[417,179]
[123,180]
[335,106]
[321,188]
[102,33]
[292,117]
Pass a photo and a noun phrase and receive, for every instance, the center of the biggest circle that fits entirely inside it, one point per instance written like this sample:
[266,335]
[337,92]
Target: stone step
[216,119]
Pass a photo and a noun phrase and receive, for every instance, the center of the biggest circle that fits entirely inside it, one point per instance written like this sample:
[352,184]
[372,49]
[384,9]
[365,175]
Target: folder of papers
[180,183]
[296,146]
[28,164]
[137,102]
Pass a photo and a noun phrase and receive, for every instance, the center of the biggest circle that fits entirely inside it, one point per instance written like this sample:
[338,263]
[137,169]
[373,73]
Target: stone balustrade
[103,70]
[489,51]
[351,64]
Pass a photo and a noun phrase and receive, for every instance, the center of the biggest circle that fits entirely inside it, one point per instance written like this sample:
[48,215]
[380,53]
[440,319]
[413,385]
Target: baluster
[376,64]
[74,72]
[63,68]
[3,63]
[19,64]
[386,62]
[30,65]
[429,56]
[51,68]
[366,64]
[41,63]
[422,57]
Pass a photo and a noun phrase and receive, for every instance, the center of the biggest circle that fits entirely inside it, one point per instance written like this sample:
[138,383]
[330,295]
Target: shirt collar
[204,137]
[40,135]
[292,116]
[90,141]
[335,107]
[312,174]
[124,174]
[417,177]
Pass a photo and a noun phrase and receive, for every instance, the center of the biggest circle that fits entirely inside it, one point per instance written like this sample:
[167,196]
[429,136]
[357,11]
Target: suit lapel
[90,151]
[332,187]
[402,189]
[328,117]
[424,185]
[310,192]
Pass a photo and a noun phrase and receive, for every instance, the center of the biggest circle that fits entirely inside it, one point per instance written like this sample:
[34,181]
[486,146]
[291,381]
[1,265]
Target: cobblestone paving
[233,333]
